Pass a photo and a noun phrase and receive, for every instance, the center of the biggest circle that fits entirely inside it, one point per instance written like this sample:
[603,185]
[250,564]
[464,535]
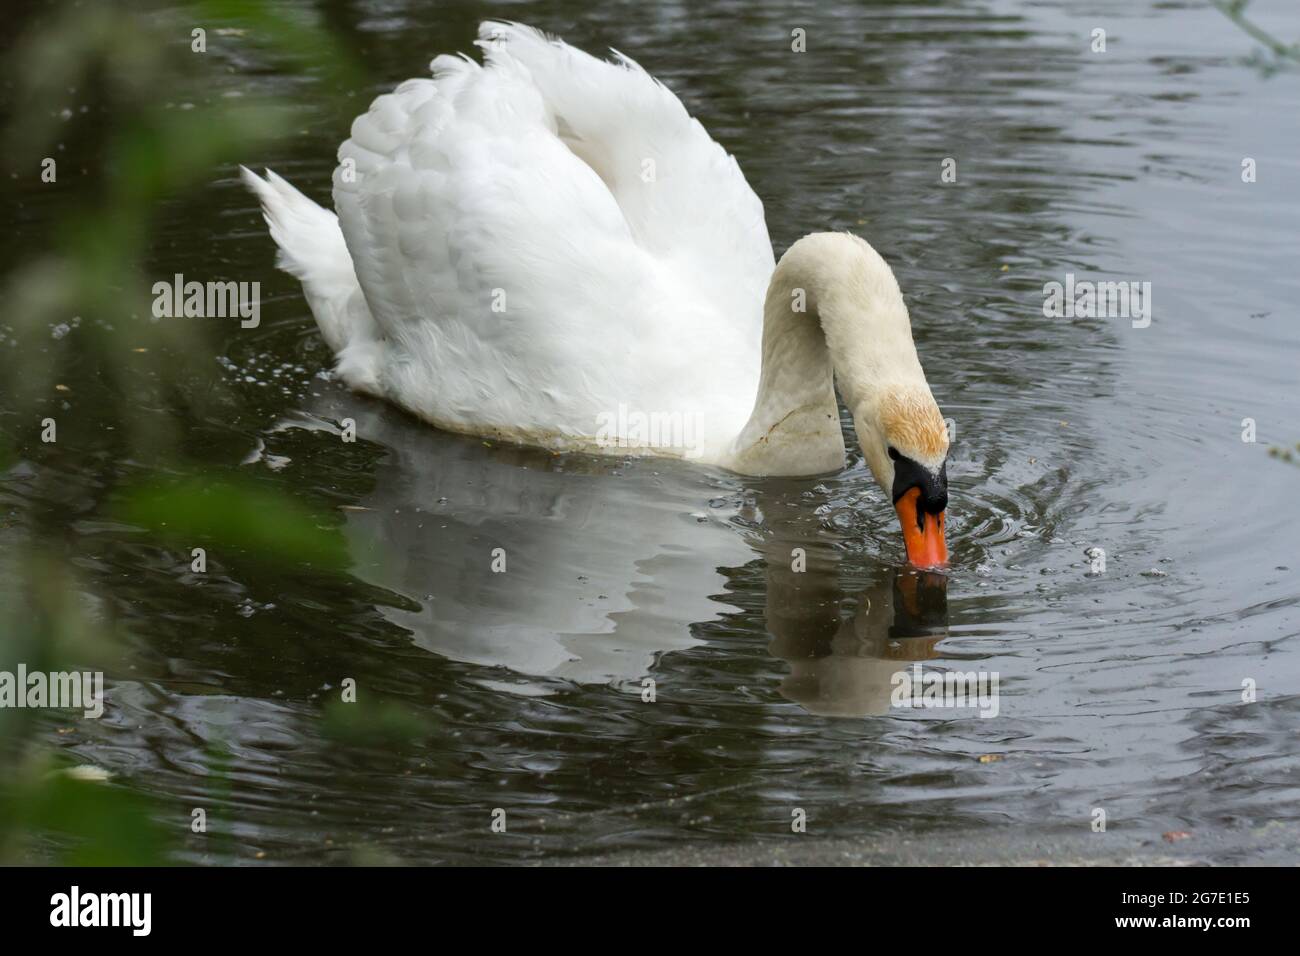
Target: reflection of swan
[848,668]
[838,666]
[607,566]
[603,571]
[548,249]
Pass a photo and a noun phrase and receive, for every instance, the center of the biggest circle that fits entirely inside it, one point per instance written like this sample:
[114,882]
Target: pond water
[1119,690]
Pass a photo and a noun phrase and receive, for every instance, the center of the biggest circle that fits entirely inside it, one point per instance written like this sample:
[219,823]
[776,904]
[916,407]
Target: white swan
[548,249]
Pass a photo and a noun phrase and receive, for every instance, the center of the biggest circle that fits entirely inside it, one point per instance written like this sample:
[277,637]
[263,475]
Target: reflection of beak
[920,605]
[922,532]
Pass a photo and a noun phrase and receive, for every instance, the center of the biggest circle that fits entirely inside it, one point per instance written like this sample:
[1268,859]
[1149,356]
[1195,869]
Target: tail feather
[312,249]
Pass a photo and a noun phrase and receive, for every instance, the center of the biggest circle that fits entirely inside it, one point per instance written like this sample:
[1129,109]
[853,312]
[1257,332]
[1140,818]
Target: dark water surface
[1119,690]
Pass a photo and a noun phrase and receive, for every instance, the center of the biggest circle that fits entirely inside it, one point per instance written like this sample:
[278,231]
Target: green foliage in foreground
[135,62]
[1277,54]
[260,523]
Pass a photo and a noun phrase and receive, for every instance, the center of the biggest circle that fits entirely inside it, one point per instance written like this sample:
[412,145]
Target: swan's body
[548,249]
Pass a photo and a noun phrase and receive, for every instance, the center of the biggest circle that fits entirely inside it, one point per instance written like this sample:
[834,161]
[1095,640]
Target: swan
[546,248]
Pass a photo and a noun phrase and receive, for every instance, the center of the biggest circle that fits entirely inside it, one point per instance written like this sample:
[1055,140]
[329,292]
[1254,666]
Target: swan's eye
[893,453]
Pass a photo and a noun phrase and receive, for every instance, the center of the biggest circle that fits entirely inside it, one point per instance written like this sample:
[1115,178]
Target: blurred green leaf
[155,119]
[377,723]
[264,525]
[291,33]
[1282,53]
[91,823]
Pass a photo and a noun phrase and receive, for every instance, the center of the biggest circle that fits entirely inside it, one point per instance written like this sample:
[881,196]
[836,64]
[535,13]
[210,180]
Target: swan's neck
[794,428]
[832,306]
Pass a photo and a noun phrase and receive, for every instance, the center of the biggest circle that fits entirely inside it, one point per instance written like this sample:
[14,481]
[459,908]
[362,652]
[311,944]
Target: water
[1120,690]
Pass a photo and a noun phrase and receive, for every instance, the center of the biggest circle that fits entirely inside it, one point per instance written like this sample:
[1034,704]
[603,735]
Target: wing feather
[523,272]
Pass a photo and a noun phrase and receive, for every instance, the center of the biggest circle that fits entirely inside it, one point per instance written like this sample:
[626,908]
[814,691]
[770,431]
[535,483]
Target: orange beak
[922,532]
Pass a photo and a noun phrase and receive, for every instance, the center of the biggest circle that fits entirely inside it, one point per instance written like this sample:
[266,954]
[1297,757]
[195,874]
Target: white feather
[548,248]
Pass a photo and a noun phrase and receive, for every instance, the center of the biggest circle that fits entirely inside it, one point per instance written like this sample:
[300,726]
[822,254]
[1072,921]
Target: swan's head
[863,338]
[905,442]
